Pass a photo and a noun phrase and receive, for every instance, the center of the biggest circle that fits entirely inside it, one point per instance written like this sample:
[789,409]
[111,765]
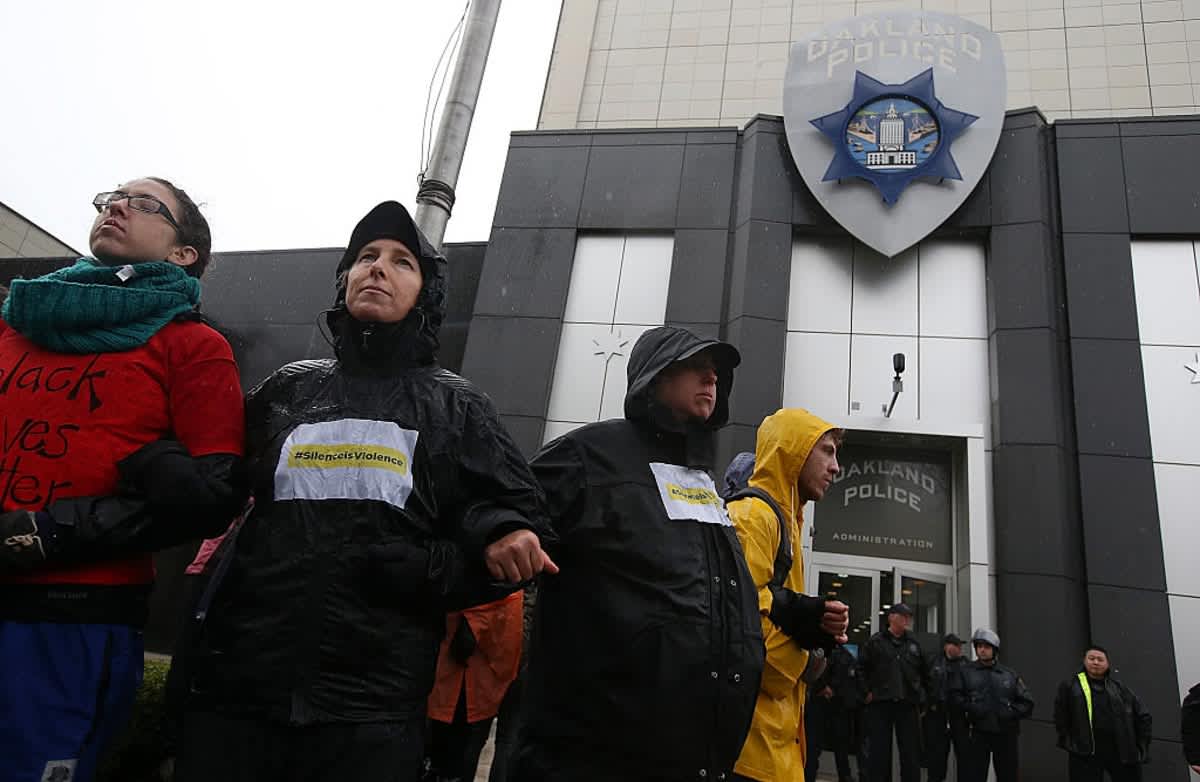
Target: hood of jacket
[657,349]
[411,342]
[785,439]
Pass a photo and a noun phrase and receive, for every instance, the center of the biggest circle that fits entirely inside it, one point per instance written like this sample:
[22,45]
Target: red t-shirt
[67,419]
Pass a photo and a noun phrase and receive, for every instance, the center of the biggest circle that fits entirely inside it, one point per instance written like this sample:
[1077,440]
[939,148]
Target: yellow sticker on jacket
[689,495]
[348,459]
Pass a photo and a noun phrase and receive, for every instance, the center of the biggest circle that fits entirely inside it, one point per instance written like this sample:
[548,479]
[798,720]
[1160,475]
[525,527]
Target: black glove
[28,538]
[799,616]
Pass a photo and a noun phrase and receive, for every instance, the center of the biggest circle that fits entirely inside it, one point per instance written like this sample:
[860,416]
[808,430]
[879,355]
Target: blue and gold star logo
[893,134]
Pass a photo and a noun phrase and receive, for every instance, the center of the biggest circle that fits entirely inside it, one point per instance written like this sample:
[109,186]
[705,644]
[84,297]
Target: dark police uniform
[897,678]
[994,699]
[943,724]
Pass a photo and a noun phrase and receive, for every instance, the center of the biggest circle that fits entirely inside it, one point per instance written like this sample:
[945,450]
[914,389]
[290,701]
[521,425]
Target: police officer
[994,699]
[897,678]
[943,725]
[829,713]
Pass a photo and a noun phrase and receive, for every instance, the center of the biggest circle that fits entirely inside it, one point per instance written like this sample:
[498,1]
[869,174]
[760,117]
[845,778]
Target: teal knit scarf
[93,308]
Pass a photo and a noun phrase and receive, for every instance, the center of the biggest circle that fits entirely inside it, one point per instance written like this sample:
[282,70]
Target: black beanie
[389,220]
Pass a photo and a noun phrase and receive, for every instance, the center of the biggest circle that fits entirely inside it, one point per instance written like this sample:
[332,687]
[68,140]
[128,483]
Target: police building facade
[826,185]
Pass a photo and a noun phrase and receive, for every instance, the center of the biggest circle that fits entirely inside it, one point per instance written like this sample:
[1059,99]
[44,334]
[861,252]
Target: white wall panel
[954,381]
[1177,517]
[871,375]
[952,289]
[1185,625]
[819,286]
[595,275]
[1168,294]
[816,373]
[645,275]
[557,429]
[1173,403]
[885,293]
[579,372]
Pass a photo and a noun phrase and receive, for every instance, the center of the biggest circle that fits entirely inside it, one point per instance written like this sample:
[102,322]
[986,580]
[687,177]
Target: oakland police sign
[892,119]
[888,503]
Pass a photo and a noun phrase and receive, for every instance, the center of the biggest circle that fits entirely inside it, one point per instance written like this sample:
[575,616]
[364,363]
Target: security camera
[898,363]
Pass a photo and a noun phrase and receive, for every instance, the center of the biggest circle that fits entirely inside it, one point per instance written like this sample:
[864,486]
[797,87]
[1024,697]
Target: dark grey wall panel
[1041,760]
[1020,288]
[976,211]
[1019,176]
[526,431]
[526,273]
[758,389]
[1036,532]
[706,187]
[1163,178]
[1045,620]
[1093,197]
[542,187]
[1135,626]
[1110,398]
[768,177]
[762,263]
[1120,503]
[1099,273]
[1027,381]
[632,187]
[289,286]
[697,288]
[512,359]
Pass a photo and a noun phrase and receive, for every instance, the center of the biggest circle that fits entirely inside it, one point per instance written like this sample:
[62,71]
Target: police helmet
[984,635]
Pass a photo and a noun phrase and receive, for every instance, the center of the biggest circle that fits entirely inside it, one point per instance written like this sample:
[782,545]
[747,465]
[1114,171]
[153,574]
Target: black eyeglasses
[142,203]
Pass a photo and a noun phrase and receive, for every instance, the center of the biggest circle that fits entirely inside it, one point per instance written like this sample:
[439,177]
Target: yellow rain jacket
[774,750]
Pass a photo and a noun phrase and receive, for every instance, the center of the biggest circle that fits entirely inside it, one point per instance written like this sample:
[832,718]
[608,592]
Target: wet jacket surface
[784,442]
[381,447]
[1131,722]
[993,698]
[647,647]
[942,673]
[895,669]
[1190,719]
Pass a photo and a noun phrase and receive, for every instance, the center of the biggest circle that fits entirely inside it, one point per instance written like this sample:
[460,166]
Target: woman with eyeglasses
[121,414]
[387,492]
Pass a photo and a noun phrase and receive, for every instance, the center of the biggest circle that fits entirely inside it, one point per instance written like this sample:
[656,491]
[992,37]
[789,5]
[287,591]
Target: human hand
[836,620]
[517,557]
[1196,769]
[826,693]
[870,697]
[21,540]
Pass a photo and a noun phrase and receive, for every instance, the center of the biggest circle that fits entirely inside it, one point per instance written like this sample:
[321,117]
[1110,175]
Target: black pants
[237,749]
[1093,769]
[882,718]
[997,749]
[454,747]
[940,732]
[827,723]
[508,727]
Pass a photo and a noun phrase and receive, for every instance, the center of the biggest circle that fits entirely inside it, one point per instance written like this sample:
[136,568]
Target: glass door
[928,595]
[858,589]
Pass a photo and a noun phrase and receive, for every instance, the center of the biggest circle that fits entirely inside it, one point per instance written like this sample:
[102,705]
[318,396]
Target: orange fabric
[490,670]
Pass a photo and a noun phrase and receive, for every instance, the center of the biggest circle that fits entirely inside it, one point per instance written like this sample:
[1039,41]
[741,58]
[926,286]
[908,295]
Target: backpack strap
[783,557]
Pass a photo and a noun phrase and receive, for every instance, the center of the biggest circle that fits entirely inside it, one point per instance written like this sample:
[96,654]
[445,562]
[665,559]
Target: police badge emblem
[892,119]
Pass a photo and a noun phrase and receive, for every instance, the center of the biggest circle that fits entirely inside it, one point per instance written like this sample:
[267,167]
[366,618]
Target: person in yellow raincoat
[795,461]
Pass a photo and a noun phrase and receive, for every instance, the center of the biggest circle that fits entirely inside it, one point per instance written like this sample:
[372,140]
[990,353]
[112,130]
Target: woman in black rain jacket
[387,492]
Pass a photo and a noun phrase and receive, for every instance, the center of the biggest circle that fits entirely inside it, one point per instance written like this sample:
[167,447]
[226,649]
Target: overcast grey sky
[287,120]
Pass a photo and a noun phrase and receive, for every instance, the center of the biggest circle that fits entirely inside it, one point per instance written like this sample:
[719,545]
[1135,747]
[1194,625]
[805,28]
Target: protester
[897,680]
[795,462]
[647,648]
[387,493]
[123,436]
[1101,724]
[829,710]
[994,700]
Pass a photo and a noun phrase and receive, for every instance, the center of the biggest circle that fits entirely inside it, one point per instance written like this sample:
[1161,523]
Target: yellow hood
[785,439]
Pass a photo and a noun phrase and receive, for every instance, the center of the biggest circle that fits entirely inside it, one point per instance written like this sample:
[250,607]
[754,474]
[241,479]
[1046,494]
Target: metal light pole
[435,197]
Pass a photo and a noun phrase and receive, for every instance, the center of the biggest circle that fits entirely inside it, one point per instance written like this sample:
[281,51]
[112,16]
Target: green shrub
[138,755]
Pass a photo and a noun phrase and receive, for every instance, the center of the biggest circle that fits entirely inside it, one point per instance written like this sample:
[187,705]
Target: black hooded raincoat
[379,479]
[648,649]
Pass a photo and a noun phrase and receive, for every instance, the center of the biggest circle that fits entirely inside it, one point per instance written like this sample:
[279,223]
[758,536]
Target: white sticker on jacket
[689,495]
[348,459]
